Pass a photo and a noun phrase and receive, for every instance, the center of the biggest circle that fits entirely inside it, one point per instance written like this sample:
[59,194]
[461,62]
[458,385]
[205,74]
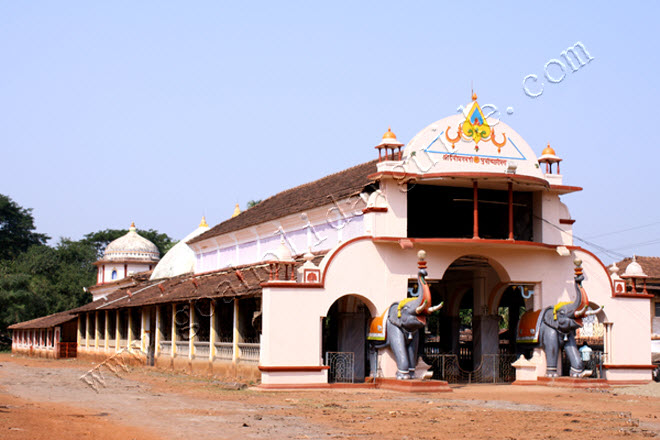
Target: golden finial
[474,96]
[132,226]
[203,223]
[388,134]
[237,211]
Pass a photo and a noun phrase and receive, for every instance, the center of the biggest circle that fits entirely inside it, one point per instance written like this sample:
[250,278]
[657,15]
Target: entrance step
[572,382]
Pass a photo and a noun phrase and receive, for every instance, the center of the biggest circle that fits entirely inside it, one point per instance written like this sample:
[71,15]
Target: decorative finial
[237,211]
[203,223]
[421,259]
[132,228]
[578,266]
[474,96]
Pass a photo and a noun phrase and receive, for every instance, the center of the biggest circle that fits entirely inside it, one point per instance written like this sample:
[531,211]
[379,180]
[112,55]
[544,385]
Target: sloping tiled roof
[45,321]
[308,196]
[650,265]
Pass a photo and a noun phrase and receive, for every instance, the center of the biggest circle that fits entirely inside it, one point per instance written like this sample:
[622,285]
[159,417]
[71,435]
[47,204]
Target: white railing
[202,349]
[182,348]
[166,347]
[224,351]
[123,343]
[249,352]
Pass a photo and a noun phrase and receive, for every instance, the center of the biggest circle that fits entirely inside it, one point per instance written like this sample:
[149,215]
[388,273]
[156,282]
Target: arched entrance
[344,332]
[463,342]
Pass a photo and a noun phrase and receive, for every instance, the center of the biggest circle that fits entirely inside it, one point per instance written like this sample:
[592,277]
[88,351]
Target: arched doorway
[345,329]
[464,343]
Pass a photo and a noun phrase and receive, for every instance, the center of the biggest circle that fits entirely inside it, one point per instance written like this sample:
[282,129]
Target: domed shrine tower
[123,257]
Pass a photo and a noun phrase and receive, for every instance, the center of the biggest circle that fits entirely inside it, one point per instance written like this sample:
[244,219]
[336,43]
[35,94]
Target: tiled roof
[242,281]
[45,321]
[308,196]
[650,265]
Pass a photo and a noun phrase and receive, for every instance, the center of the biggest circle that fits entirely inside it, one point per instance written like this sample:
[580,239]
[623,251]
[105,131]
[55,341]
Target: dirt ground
[45,399]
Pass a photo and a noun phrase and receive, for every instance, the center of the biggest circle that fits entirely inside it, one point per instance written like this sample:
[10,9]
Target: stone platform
[572,382]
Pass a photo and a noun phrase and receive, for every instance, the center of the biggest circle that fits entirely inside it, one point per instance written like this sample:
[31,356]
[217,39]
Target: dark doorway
[345,331]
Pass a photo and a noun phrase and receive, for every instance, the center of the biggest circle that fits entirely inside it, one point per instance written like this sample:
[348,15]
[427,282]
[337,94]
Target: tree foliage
[36,279]
[16,229]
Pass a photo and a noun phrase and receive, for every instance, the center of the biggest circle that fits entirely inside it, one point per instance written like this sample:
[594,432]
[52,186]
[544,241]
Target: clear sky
[161,112]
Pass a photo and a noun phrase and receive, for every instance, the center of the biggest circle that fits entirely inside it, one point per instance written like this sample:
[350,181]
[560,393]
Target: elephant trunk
[578,308]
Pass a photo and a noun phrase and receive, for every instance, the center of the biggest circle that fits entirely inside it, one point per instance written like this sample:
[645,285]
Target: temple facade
[281,291]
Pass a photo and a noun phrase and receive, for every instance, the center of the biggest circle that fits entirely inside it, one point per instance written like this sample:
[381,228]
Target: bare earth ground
[44,399]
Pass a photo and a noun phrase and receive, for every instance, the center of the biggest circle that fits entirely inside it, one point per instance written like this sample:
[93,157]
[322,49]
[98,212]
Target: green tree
[17,230]
[252,203]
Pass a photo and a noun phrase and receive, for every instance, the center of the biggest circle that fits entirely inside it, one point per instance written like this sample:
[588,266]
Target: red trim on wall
[566,221]
[292,285]
[504,176]
[277,368]
[628,367]
[374,209]
[633,295]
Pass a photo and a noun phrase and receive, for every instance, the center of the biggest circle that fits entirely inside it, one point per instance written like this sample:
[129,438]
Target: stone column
[87,330]
[143,329]
[159,333]
[213,334]
[191,330]
[236,334]
[129,333]
[79,335]
[106,331]
[117,331]
[97,331]
[173,330]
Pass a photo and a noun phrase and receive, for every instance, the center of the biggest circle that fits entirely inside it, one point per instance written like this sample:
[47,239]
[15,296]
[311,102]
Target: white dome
[180,259]
[131,246]
[634,270]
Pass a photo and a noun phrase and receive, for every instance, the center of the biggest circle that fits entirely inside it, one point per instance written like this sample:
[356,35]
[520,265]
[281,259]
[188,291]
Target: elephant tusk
[593,312]
[421,308]
[581,313]
[434,308]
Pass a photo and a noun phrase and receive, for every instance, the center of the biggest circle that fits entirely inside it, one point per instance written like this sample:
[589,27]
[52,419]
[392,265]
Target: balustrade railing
[224,351]
[166,347]
[202,349]
[182,348]
[249,352]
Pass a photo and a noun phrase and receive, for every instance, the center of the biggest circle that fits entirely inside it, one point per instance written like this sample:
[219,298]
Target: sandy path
[157,404]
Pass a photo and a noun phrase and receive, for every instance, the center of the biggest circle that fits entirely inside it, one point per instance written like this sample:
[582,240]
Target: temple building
[284,292]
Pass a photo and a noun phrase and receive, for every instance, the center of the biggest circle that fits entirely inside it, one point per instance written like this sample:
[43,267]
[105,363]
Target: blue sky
[161,112]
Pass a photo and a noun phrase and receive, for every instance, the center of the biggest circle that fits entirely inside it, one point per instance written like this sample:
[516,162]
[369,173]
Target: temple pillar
[159,333]
[106,332]
[173,330]
[235,334]
[213,334]
[87,330]
[191,330]
[117,330]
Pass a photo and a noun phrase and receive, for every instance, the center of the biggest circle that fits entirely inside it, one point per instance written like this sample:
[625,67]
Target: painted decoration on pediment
[476,140]
[475,128]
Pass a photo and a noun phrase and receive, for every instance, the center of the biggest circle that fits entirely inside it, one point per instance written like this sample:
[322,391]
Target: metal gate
[494,368]
[342,366]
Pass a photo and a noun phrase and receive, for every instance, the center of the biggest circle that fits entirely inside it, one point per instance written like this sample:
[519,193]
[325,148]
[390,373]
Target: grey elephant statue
[553,328]
[398,327]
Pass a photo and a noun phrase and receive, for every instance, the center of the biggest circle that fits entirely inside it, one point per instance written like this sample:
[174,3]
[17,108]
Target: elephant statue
[553,328]
[398,327]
